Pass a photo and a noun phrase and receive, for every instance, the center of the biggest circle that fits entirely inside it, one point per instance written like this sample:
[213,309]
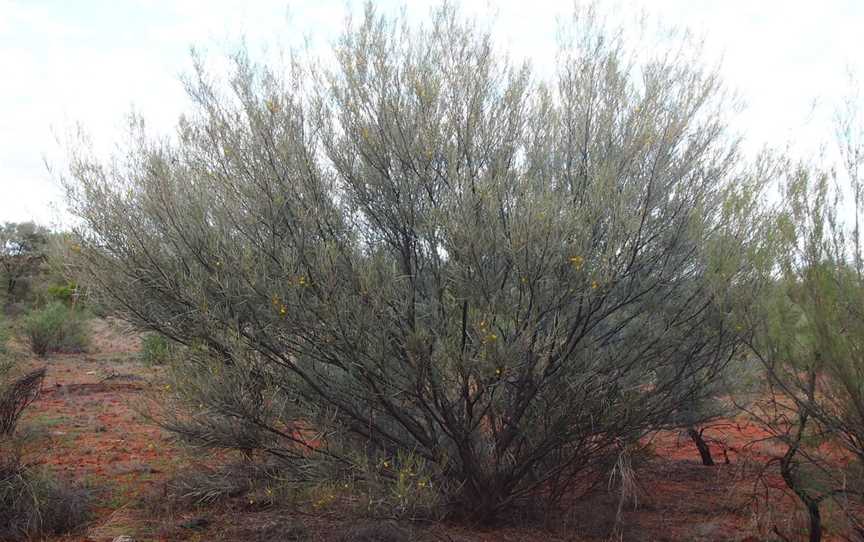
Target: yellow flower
[282,310]
[577,262]
[492,337]
[594,284]
[301,281]
[498,372]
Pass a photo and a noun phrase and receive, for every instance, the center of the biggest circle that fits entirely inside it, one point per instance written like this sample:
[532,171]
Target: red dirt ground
[93,429]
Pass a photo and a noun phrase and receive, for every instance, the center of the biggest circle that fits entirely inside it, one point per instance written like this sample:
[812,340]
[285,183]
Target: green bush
[155,349]
[62,292]
[55,328]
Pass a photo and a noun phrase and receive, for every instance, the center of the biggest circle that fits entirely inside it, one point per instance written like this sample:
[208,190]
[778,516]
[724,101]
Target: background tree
[430,262]
[743,248]
[21,253]
[809,335]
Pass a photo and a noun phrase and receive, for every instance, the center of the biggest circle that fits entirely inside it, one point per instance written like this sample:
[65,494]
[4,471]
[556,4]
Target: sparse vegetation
[155,349]
[32,502]
[809,335]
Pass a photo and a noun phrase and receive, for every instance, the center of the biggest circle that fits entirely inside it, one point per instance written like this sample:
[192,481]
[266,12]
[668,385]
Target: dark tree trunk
[788,472]
[789,467]
[702,446]
[815,522]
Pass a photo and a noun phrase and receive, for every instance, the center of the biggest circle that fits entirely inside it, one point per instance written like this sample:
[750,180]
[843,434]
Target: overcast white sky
[92,61]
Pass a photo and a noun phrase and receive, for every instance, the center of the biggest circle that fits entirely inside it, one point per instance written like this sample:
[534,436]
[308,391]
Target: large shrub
[55,328]
[430,252]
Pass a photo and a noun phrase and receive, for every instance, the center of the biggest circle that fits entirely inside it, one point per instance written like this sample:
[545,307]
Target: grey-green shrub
[431,251]
[33,504]
[55,328]
[4,338]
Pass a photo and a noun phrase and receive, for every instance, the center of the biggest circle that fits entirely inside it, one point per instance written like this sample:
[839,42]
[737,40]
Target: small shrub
[400,487]
[210,485]
[155,349]
[55,328]
[33,503]
[64,293]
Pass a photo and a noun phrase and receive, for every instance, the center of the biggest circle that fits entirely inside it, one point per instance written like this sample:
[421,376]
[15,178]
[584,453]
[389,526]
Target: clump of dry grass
[377,532]
[32,502]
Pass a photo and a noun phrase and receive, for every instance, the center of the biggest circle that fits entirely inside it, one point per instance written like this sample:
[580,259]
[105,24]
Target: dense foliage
[22,251]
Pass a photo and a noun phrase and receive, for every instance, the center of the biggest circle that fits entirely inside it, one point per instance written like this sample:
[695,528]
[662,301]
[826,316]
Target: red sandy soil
[93,429]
